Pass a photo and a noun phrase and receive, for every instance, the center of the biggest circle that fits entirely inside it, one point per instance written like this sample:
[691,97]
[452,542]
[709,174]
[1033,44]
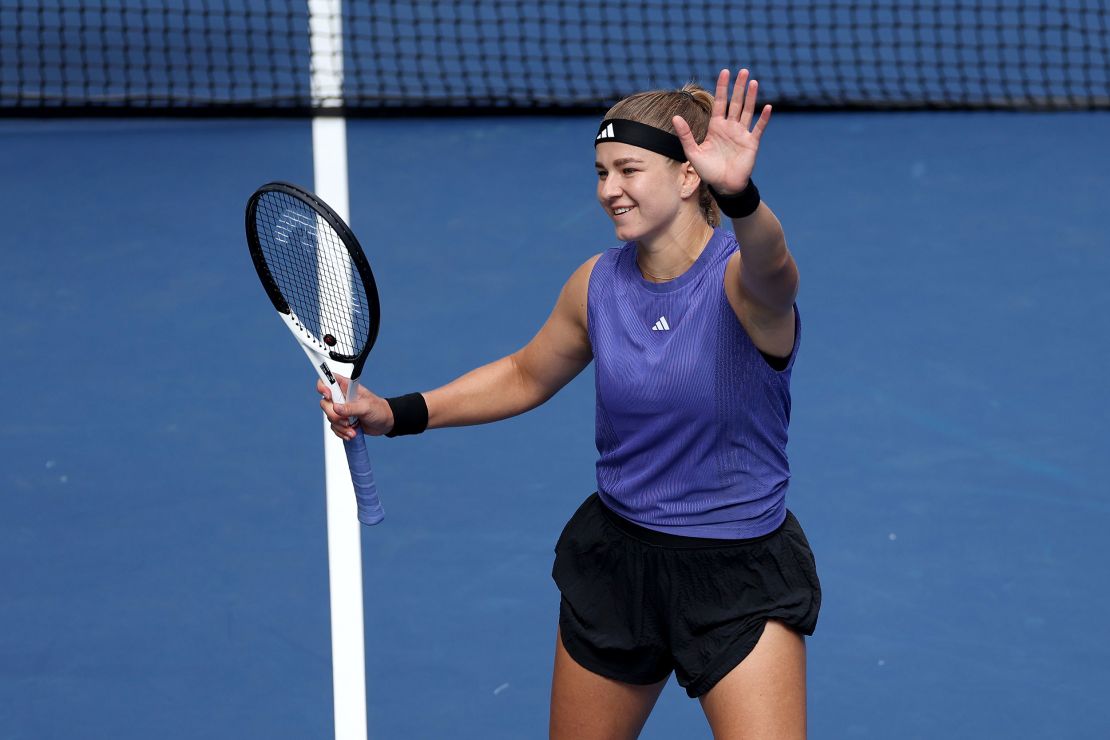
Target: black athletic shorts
[637,603]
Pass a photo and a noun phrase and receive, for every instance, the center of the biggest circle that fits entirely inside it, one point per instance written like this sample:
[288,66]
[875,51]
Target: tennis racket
[319,280]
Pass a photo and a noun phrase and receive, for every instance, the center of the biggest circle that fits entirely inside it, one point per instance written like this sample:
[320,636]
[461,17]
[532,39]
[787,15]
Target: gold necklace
[661,278]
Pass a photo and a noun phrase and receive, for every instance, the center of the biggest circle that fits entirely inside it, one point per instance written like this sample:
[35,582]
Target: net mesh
[255,56]
[314,273]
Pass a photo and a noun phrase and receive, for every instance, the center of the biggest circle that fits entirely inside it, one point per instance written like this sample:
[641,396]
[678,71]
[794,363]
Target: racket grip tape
[366,492]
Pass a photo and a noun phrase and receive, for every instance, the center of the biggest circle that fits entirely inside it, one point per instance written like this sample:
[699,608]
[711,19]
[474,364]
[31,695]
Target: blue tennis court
[162,526]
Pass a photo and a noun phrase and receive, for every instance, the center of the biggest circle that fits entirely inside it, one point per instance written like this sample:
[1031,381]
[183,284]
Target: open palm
[726,158]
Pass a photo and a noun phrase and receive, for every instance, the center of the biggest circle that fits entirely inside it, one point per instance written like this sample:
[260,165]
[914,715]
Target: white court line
[329,155]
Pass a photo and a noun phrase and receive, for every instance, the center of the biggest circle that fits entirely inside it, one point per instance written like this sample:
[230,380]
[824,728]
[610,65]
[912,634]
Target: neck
[668,255]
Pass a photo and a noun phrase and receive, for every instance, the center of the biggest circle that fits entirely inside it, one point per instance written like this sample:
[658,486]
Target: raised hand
[726,158]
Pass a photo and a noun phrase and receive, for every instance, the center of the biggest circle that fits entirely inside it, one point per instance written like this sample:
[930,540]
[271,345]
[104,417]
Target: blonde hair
[656,108]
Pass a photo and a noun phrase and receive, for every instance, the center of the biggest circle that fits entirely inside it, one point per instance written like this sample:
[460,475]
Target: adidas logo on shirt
[606,133]
[661,325]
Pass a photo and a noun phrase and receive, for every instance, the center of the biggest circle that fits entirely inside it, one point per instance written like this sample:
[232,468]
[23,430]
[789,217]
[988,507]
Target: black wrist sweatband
[740,205]
[410,414]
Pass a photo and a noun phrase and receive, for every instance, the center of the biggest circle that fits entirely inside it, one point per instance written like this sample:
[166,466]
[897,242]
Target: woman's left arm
[766,275]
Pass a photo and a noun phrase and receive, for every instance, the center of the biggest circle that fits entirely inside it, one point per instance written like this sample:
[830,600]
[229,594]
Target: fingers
[764,119]
[339,413]
[325,390]
[340,425]
[742,106]
[339,417]
[720,96]
[735,110]
[336,418]
[367,410]
[685,135]
[353,406]
[749,104]
[343,430]
[333,411]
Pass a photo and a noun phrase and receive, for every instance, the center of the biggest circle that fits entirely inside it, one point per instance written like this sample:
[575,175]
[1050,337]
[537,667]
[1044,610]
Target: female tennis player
[686,558]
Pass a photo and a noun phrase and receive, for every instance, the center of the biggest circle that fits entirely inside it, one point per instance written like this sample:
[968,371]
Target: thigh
[586,706]
[765,695]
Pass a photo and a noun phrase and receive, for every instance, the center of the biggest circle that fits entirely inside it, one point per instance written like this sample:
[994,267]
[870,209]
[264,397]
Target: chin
[630,233]
[627,232]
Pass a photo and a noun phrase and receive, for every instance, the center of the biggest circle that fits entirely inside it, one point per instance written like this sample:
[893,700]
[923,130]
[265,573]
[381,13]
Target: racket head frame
[310,343]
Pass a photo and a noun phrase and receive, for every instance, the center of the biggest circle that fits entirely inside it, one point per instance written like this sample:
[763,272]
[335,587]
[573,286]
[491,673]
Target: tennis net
[255,57]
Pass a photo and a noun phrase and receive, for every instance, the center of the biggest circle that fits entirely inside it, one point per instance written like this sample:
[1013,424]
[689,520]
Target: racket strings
[314,272]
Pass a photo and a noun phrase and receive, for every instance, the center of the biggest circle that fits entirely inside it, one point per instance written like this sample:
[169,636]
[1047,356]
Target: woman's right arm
[506,387]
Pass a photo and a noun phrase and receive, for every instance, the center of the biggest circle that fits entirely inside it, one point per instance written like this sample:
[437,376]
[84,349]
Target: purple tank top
[691,419]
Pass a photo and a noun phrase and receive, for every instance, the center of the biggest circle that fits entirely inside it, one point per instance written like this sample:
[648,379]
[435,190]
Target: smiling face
[655,108]
[640,190]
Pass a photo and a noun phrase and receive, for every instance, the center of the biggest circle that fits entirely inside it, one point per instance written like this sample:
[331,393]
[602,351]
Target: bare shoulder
[771,330]
[573,298]
[580,279]
[562,347]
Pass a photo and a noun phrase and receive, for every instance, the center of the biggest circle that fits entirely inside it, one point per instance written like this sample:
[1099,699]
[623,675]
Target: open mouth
[621,211]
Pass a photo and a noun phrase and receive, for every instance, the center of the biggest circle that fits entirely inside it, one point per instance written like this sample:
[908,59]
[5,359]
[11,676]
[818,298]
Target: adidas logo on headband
[605,133]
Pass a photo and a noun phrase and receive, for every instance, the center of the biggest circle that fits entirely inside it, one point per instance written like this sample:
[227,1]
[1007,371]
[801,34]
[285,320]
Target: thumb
[685,135]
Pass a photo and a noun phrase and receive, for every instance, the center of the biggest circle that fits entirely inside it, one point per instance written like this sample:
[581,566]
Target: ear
[691,181]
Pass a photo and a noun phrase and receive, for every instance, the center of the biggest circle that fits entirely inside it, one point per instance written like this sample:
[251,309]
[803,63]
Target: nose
[610,188]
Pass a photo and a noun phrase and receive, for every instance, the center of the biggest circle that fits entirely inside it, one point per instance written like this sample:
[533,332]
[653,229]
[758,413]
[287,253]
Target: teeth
[619,211]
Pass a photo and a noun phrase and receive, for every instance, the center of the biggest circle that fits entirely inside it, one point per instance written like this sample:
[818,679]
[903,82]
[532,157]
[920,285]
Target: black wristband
[410,414]
[740,205]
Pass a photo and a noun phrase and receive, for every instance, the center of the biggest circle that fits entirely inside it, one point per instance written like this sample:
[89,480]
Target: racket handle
[366,493]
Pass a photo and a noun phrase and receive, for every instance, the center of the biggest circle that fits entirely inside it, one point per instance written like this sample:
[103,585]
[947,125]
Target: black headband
[641,135]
